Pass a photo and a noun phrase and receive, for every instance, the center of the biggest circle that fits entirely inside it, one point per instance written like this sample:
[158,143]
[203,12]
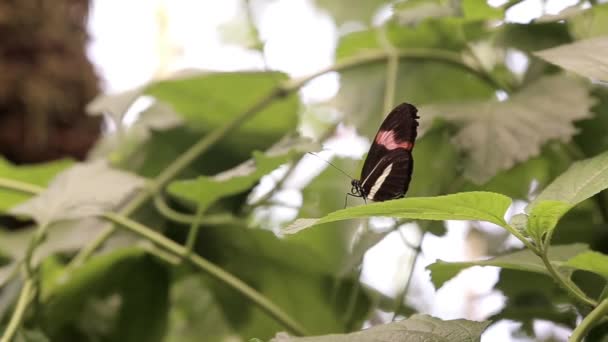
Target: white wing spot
[380,181]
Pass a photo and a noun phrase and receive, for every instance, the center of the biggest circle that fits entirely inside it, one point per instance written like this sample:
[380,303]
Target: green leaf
[527,304]
[582,180]
[436,163]
[497,135]
[592,22]
[523,260]
[362,89]
[483,206]
[591,138]
[544,217]
[194,309]
[415,328]
[515,182]
[81,191]
[121,146]
[584,57]
[591,261]
[473,9]
[40,174]
[205,190]
[533,36]
[115,105]
[414,11]
[290,274]
[138,280]
[210,100]
[342,11]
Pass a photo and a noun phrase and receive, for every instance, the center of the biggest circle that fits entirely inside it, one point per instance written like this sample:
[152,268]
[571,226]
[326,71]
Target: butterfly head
[356,189]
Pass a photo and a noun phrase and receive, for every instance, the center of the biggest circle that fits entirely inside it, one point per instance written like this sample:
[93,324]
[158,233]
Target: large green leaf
[592,22]
[40,174]
[483,206]
[210,100]
[584,57]
[204,190]
[415,328]
[343,10]
[524,260]
[497,135]
[84,190]
[292,275]
[582,180]
[194,310]
[591,138]
[591,261]
[138,280]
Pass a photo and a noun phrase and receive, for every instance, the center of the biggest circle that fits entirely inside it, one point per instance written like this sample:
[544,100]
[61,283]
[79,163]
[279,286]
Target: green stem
[16,185]
[401,297]
[522,238]
[214,271]
[19,313]
[195,226]
[175,216]
[34,242]
[566,283]
[589,322]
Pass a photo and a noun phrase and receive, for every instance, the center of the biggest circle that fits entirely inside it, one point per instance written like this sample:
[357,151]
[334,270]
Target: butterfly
[387,170]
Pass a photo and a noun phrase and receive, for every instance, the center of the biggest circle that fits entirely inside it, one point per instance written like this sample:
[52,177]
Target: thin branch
[592,319]
[401,297]
[211,269]
[17,318]
[566,283]
[19,186]
[211,219]
[196,224]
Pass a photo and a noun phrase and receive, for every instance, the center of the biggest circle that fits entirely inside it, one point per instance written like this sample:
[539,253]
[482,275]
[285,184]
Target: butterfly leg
[346,198]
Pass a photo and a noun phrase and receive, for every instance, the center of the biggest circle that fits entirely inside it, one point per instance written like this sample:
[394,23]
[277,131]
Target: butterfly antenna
[329,163]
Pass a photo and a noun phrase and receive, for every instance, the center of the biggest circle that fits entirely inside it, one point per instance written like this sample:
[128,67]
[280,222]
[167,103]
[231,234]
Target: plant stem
[196,224]
[16,185]
[19,313]
[589,322]
[522,238]
[401,297]
[214,271]
[175,216]
[566,283]
[392,68]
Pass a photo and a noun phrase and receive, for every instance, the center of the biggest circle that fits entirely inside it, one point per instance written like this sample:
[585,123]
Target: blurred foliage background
[205,167]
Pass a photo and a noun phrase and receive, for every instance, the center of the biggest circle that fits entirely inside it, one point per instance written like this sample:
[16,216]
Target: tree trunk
[46,81]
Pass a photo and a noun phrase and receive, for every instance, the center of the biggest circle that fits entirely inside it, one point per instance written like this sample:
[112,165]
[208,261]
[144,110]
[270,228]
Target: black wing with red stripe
[387,171]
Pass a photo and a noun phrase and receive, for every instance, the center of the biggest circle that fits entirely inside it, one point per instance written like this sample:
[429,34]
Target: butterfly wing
[391,176]
[398,131]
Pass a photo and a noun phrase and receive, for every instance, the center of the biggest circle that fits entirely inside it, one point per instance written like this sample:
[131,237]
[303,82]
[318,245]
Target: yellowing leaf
[497,135]
[81,191]
[585,57]
[415,328]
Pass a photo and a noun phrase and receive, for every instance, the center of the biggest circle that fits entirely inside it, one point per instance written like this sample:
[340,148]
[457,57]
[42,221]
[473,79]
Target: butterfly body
[387,170]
